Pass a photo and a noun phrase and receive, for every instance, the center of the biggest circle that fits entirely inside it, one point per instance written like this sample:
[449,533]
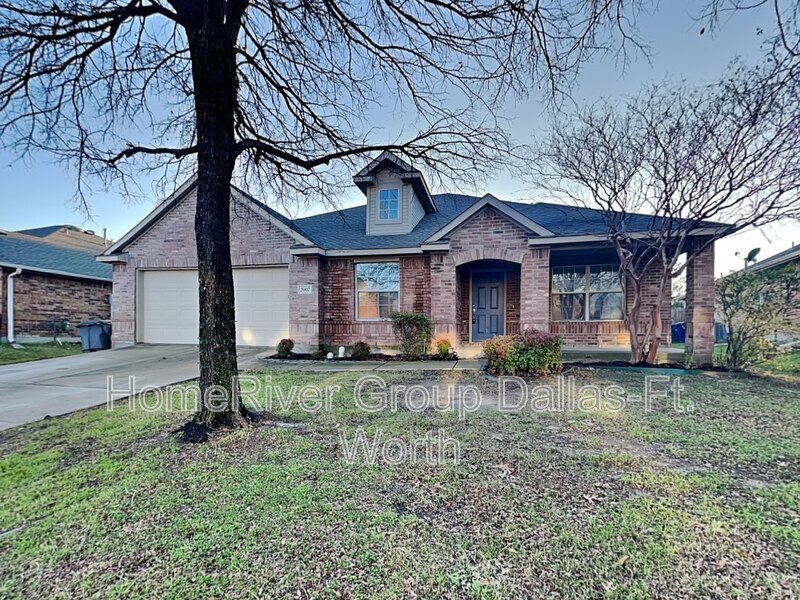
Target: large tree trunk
[656,322]
[213,73]
[655,333]
[634,324]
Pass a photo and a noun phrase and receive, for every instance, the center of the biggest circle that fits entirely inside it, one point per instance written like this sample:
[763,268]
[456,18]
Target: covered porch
[488,300]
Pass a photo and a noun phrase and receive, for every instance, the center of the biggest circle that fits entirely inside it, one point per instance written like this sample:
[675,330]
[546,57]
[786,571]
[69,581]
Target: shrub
[285,347]
[413,330]
[443,348]
[361,350]
[530,353]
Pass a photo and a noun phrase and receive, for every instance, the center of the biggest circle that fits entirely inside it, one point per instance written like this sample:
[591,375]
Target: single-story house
[477,266]
[46,289]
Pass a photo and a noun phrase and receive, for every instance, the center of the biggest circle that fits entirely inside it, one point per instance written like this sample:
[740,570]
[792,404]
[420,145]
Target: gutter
[10,304]
[552,240]
[57,273]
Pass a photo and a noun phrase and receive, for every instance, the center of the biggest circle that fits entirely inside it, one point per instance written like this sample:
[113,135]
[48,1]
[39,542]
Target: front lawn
[10,355]
[783,364]
[577,504]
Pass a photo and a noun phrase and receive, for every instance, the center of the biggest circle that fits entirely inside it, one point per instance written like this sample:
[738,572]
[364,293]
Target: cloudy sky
[36,192]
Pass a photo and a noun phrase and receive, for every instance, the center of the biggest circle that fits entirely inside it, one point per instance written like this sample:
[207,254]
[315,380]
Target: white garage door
[168,311]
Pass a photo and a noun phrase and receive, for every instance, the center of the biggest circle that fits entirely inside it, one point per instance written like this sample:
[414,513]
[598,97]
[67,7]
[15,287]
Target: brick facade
[40,300]
[339,326]
[435,284]
[170,244]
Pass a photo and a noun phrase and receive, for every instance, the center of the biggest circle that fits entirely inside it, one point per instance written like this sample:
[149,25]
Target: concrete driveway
[33,390]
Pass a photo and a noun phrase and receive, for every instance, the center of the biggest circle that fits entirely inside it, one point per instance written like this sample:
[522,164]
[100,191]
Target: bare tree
[674,169]
[279,93]
[784,40]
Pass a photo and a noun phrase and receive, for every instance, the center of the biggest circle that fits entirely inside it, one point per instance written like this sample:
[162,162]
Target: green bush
[413,330]
[530,353]
[361,350]
[443,348]
[285,347]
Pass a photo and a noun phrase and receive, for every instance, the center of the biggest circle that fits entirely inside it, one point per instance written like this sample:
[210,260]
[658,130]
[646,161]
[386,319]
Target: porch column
[444,298]
[304,302]
[699,315]
[534,302]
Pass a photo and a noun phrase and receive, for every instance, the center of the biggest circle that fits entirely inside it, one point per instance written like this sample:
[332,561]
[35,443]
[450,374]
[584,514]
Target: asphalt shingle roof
[45,231]
[42,256]
[345,229]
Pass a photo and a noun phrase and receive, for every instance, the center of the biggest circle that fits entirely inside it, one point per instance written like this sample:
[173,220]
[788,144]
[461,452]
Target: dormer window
[389,205]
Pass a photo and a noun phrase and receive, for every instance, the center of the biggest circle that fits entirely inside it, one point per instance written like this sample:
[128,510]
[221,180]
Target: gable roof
[344,231]
[47,258]
[281,222]
[505,208]
[366,177]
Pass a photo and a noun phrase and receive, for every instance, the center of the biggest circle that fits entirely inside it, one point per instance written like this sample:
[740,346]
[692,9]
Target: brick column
[304,309]
[444,297]
[700,307]
[534,301]
[123,305]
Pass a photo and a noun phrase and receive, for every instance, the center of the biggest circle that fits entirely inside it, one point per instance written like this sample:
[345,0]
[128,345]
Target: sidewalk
[371,365]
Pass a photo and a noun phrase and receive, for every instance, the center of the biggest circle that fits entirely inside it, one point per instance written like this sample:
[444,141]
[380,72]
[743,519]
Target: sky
[35,191]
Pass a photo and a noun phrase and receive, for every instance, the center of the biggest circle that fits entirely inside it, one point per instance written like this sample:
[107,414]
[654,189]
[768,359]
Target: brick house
[43,284]
[477,266]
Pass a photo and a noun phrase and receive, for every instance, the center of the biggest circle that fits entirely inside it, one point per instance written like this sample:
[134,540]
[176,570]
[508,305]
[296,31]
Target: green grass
[10,355]
[783,364]
[575,504]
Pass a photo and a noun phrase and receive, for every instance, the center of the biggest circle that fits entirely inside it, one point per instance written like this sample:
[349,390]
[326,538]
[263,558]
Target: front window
[388,205]
[377,290]
[587,293]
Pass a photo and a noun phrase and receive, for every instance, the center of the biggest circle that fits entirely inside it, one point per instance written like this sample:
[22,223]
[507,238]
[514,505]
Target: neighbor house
[47,289]
[781,260]
[477,266]
[68,236]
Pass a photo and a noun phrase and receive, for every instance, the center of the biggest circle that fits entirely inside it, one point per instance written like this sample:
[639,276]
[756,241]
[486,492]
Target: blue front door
[488,300]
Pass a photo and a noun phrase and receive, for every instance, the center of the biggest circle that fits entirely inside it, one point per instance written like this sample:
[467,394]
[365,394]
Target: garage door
[169,314]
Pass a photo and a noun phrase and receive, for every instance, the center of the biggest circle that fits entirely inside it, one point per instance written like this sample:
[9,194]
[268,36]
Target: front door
[488,305]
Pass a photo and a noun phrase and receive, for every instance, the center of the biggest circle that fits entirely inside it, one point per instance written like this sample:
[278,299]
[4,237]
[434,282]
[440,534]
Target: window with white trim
[377,290]
[587,293]
[389,205]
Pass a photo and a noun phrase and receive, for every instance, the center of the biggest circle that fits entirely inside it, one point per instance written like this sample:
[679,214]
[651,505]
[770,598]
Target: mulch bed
[376,357]
[643,365]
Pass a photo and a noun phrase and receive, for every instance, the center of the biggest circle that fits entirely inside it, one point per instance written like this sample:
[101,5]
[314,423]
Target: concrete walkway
[33,390]
[471,364]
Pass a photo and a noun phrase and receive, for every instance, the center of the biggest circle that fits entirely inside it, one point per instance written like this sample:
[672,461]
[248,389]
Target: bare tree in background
[783,41]
[676,162]
[280,93]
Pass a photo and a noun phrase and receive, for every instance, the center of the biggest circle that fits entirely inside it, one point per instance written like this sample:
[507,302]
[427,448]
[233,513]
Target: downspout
[10,305]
